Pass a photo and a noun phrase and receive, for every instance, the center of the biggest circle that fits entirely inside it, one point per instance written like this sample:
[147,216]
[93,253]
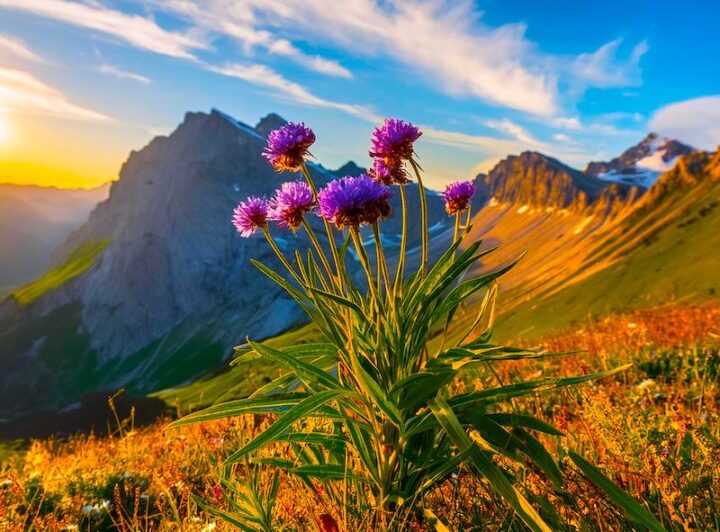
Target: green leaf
[327,472]
[268,404]
[632,508]
[372,389]
[486,467]
[225,516]
[311,375]
[539,455]
[509,391]
[529,422]
[340,301]
[296,413]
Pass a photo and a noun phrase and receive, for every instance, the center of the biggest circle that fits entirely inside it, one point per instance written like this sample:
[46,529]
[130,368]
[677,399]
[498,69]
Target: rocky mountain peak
[268,123]
[349,168]
[643,163]
[536,180]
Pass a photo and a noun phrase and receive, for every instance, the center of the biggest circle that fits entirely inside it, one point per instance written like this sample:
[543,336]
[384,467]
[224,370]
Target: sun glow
[5,131]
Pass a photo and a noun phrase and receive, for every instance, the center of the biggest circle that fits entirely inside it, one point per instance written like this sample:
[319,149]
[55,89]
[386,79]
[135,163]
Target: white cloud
[567,123]
[604,69]
[695,122]
[119,73]
[561,137]
[22,92]
[443,41]
[264,76]
[237,21]
[516,131]
[137,31]
[19,49]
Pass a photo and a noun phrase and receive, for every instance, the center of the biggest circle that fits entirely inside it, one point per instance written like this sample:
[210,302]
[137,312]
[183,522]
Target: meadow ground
[654,429]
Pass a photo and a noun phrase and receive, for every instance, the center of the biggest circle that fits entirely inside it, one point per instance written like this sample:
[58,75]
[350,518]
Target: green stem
[280,255]
[363,256]
[423,217]
[400,273]
[456,233]
[328,229]
[320,252]
[382,263]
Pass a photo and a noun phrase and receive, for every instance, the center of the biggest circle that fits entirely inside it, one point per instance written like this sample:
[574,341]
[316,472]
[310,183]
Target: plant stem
[400,273]
[363,256]
[328,229]
[381,262]
[321,254]
[423,218]
[456,233]
[280,255]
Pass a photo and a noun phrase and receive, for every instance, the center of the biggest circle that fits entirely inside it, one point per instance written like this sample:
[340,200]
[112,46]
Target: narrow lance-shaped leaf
[296,413]
[632,508]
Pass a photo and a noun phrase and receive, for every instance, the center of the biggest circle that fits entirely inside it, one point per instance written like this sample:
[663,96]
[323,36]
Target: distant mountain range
[33,222]
[156,287]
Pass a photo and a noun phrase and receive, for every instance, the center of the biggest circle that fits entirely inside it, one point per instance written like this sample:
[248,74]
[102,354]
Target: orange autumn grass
[655,430]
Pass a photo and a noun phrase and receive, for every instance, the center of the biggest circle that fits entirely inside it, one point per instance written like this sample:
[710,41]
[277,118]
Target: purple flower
[352,201]
[249,215]
[290,203]
[394,140]
[388,174]
[287,146]
[457,196]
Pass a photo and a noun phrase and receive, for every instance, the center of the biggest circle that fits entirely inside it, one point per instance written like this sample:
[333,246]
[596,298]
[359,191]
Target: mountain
[643,163]
[157,287]
[532,180]
[34,221]
[349,168]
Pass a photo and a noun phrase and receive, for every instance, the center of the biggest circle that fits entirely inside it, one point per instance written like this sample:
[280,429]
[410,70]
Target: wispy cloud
[515,131]
[264,76]
[119,73]
[499,65]
[19,49]
[238,21]
[135,30]
[605,69]
[695,121]
[22,92]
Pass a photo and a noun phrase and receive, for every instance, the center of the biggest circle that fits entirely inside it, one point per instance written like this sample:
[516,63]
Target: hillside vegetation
[654,429]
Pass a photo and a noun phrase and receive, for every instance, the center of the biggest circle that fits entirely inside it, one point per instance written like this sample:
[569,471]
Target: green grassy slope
[674,256]
[77,262]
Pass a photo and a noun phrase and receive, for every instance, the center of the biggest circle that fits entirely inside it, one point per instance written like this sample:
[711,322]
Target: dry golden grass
[655,430]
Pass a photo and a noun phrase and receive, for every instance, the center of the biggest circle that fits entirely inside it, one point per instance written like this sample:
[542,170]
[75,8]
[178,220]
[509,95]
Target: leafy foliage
[379,379]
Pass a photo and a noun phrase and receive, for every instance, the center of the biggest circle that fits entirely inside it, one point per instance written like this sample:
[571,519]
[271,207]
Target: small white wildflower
[632,325]
[208,527]
[644,385]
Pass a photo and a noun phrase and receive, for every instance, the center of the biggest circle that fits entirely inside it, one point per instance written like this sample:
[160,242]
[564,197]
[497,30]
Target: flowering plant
[379,381]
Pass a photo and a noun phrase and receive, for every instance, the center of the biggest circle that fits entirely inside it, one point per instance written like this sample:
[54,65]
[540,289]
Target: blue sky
[84,82]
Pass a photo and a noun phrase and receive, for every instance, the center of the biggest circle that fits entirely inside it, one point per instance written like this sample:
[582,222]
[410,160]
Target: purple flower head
[249,215]
[394,140]
[287,146]
[457,196]
[290,203]
[352,201]
[388,174]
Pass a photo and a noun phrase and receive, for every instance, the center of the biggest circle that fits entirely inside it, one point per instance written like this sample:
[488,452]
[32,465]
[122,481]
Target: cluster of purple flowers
[250,215]
[290,203]
[457,196]
[288,146]
[392,144]
[346,202]
[353,201]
